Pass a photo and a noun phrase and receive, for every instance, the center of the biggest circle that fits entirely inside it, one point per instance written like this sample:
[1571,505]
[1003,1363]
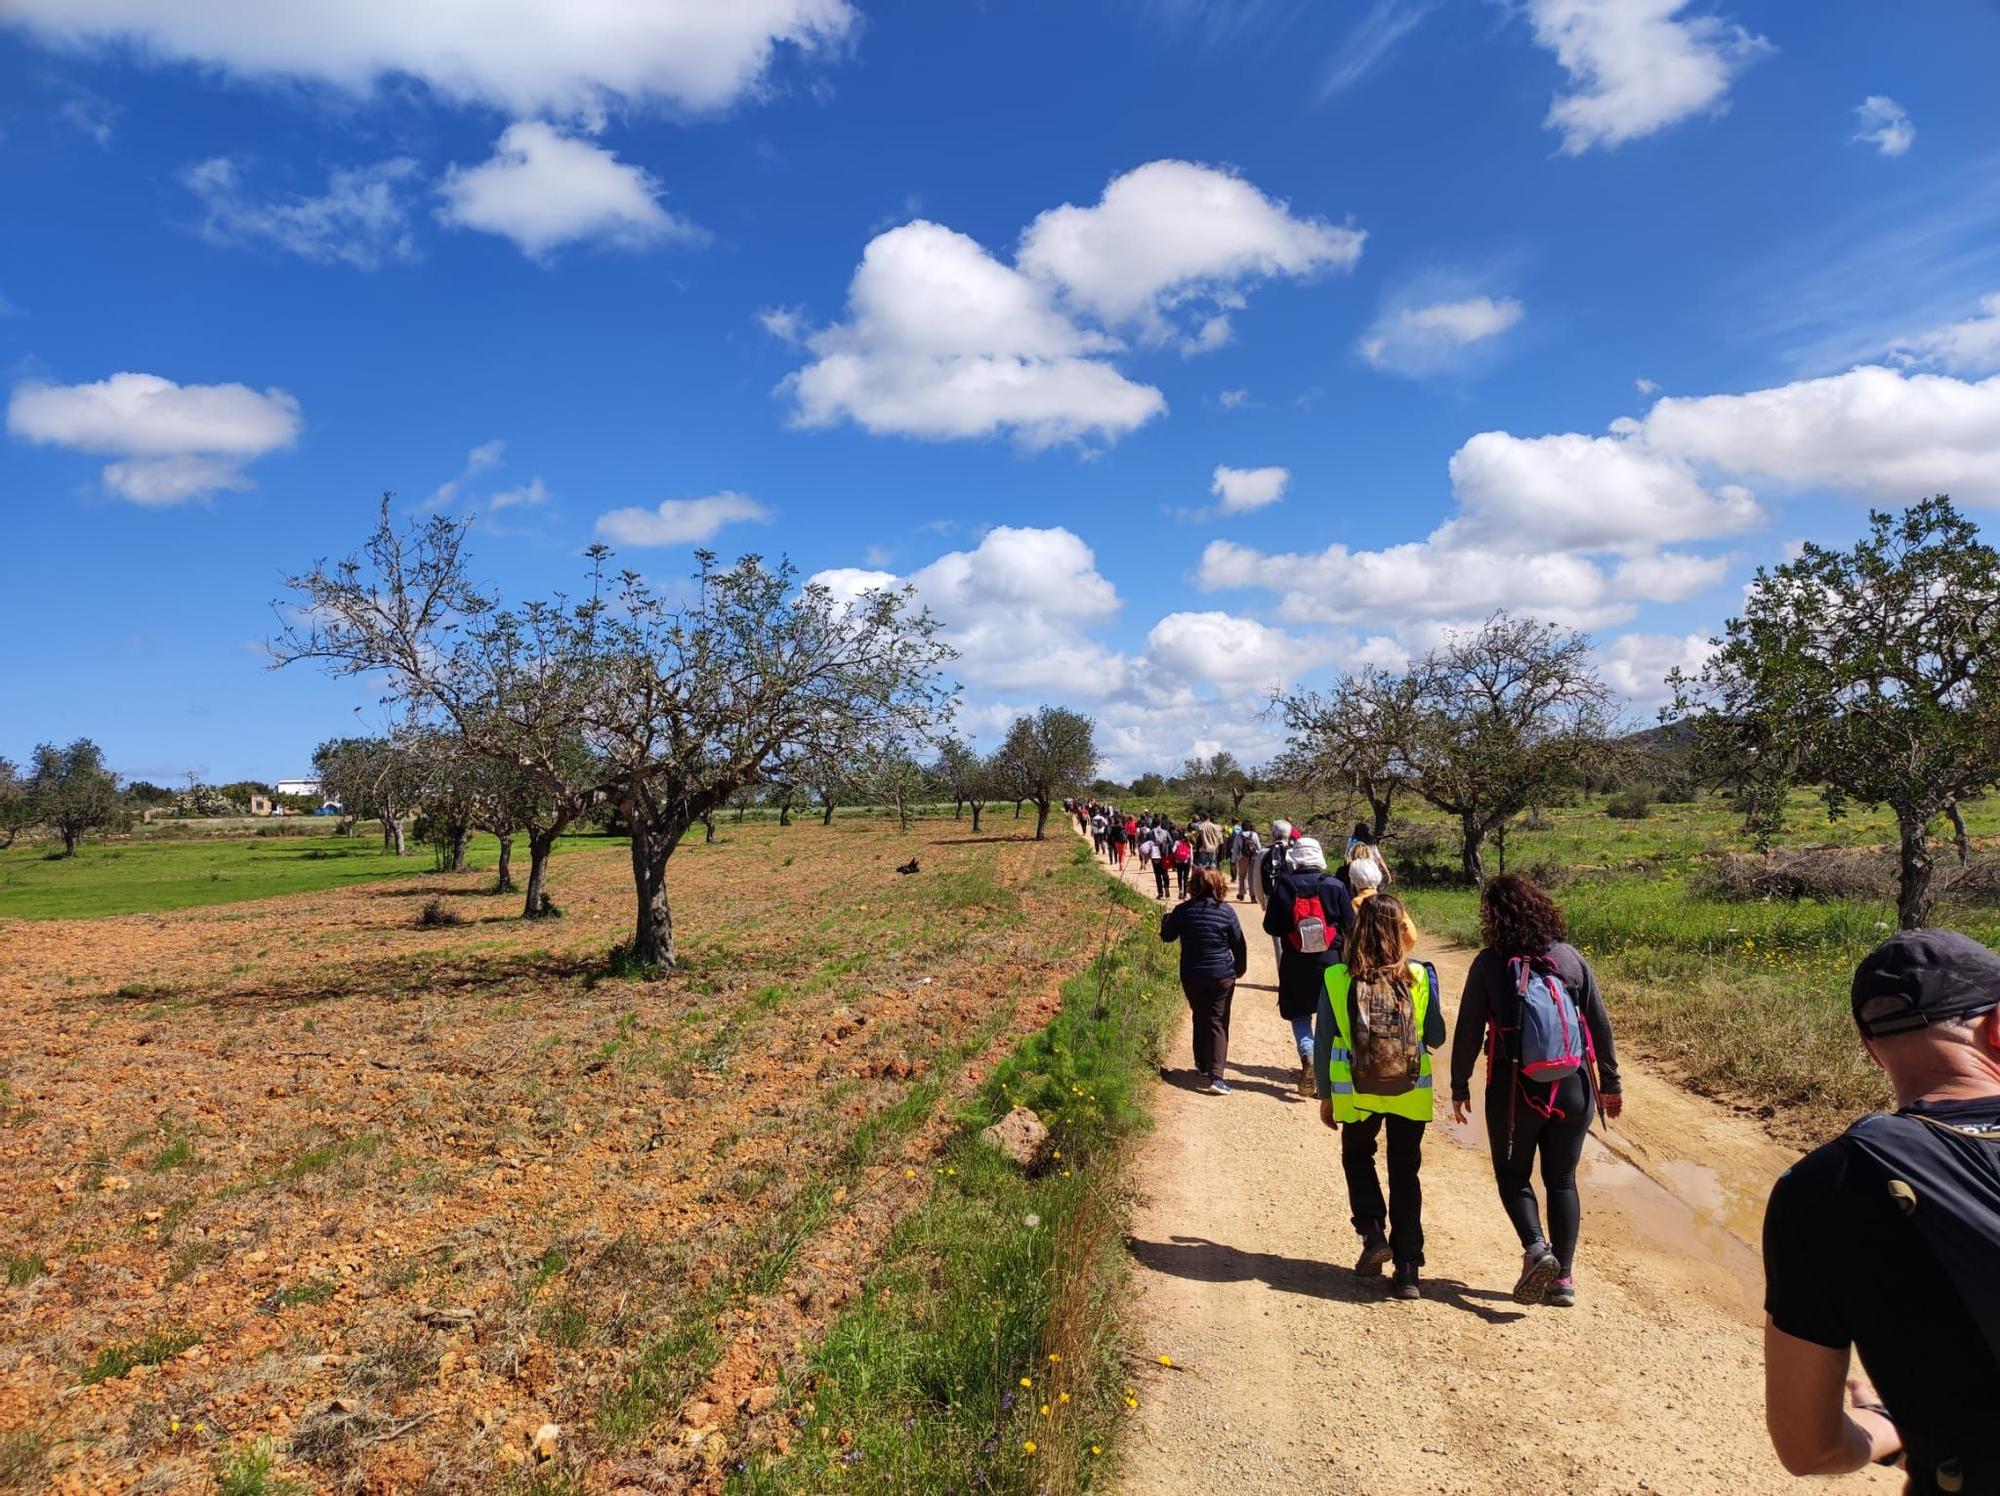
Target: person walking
[1380,1016]
[1213,957]
[1207,838]
[1276,860]
[1249,848]
[1533,1007]
[1886,1241]
[1309,912]
[1183,861]
[1098,826]
[1114,840]
[1163,860]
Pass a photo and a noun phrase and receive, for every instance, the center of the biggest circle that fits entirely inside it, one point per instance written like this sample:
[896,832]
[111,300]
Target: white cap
[1307,853]
[1364,872]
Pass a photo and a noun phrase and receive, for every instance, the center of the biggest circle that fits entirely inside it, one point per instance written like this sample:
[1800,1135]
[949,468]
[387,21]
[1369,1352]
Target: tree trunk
[460,835]
[785,811]
[1959,838]
[707,830]
[1017,808]
[1041,819]
[505,882]
[958,808]
[653,932]
[70,839]
[539,847]
[741,812]
[392,835]
[1913,885]
[977,808]
[1471,845]
[1500,846]
[1378,811]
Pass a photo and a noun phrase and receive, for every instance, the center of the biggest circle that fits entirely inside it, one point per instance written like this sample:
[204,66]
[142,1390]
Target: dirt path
[1289,1374]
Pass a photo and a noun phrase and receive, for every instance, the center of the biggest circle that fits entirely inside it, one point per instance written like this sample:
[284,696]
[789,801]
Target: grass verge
[985,1352]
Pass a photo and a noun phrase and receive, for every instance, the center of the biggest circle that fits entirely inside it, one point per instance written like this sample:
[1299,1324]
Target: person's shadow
[1204,1261]
[1194,1080]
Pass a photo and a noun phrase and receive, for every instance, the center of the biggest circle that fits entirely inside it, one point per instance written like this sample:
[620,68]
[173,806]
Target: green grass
[145,876]
[113,1361]
[24,1268]
[999,1276]
[248,1472]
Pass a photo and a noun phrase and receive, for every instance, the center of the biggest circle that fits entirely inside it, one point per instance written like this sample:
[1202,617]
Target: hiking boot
[1539,1269]
[1218,1088]
[1405,1285]
[1306,1087]
[1561,1294]
[1374,1256]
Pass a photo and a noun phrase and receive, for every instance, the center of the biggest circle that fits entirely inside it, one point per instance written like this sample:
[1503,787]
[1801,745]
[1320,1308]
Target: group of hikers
[1884,1242]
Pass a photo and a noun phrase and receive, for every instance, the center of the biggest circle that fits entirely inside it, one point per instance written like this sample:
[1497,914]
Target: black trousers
[1404,1212]
[1208,999]
[1557,1141]
[1160,875]
[1181,877]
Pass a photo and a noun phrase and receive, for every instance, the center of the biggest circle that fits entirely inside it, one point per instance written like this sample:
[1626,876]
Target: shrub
[437,914]
[1633,804]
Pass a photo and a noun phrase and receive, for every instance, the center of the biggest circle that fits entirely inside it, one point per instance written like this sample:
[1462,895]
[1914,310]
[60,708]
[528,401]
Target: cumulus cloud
[1172,237]
[1237,655]
[362,219]
[1242,490]
[1885,124]
[1636,666]
[944,340]
[577,58]
[1878,432]
[1968,347]
[681,521]
[544,189]
[1637,66]
[1420,340]
[174,442]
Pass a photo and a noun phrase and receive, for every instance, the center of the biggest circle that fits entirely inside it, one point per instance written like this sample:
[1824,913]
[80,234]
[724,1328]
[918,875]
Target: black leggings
[1160,875]
[1559,1142]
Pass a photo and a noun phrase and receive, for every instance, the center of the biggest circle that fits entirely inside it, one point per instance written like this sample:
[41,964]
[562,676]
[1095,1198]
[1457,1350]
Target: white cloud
[480,459]
[576,58]
[785,323]
[174,442]
[1237,655]
[362,219]
[528,495]
[89,114]
[1637,66]
[1234,399]
[943,340]
[1242,490]
[1669,576]
[1636,665]
[1589,493]
[1878,432]
[1646,386]
[1173,237]
[1885,124]
[8,309]
[544,189]
[1968,347]
[681,521]
[1419,340]
[1369,44]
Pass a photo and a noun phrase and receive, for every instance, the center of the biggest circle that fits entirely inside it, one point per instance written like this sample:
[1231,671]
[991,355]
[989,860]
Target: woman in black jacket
[1302,973]
[1522,924]
[1213,956]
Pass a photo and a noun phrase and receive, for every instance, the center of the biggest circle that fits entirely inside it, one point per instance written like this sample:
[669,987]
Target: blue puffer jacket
[1211,939]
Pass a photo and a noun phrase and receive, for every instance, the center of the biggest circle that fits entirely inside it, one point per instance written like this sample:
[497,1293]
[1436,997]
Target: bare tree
[1045,754]
[372,778]
[1349,741]
[1500,719]
[954,769]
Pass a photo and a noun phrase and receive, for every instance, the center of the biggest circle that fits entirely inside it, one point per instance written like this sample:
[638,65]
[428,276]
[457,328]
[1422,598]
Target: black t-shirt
[1844,1266]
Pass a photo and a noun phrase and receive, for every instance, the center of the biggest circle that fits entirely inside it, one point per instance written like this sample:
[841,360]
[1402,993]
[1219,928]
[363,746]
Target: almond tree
[1349,740]
[1045,754]
[71,792]
[1873,673]
[16,811]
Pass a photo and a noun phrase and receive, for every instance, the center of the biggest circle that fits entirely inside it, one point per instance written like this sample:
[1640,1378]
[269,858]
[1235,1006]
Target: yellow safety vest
[1348,1105]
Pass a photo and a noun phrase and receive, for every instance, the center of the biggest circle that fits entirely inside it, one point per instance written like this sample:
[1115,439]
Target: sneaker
[1561,1294]
[1405,1285]
[1307,1088]
[1218,1088]
[1374,1256]
[1539,1269]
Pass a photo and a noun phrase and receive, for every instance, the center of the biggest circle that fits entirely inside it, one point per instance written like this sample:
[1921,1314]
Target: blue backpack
[1549,1038]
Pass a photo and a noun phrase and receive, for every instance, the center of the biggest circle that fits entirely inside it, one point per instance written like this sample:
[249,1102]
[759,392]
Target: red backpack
[1310,934]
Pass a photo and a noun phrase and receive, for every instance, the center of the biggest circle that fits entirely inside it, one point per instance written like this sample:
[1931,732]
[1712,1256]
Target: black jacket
[1302,976]
[1211,939]
[1488,990]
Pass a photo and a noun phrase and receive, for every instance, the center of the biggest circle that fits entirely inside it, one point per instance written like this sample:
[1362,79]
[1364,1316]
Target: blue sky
[1173,350]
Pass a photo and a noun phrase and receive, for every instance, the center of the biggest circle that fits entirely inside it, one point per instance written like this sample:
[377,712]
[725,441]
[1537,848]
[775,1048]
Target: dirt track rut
[1290,1375]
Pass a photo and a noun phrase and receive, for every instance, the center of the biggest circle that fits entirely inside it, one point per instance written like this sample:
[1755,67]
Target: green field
[144,875]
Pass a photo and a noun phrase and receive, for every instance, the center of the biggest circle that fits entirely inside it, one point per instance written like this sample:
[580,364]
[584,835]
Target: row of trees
[1871,675]
[657,708]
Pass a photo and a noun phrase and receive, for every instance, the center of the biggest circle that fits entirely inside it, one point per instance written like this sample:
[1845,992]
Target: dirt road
[1289,1374]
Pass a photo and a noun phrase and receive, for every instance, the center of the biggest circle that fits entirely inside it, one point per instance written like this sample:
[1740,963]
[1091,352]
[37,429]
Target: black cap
[1920,977]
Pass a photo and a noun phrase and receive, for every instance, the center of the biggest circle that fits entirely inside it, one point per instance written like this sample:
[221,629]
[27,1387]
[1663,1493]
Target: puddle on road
[1689,1209]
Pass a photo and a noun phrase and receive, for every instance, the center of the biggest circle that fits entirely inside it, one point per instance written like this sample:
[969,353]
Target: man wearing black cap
[1886,1241]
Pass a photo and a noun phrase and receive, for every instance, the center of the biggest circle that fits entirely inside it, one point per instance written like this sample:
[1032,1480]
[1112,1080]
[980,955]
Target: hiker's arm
[1470,1032]
[1434,1025]
[1170,923]
[1238,946]
[1277,912]
[1324,1033]
[1806,1393]
[1598,1018]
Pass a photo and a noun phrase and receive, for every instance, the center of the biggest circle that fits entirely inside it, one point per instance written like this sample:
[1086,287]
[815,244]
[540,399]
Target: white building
[308,787]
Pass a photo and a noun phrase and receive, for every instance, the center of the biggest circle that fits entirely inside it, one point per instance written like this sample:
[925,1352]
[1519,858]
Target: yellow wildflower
[1028,1446]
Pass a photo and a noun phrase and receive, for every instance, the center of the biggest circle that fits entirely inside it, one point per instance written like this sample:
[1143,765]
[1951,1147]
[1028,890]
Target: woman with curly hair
[1526,943]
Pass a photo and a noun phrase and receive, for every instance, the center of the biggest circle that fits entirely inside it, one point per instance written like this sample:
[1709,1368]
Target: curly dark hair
[1519,918]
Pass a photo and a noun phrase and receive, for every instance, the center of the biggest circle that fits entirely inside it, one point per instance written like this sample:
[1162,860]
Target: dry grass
[418,1191]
